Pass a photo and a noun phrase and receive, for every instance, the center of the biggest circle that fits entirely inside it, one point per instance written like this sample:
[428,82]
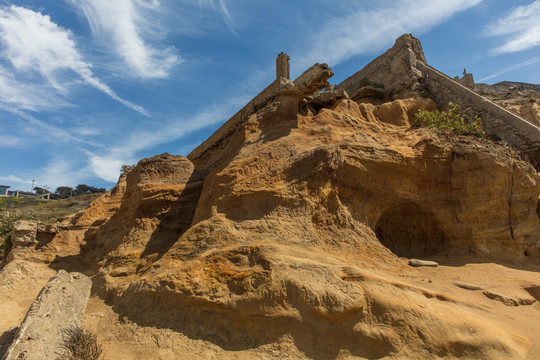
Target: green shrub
[454,120]
[81,344]
[6,224]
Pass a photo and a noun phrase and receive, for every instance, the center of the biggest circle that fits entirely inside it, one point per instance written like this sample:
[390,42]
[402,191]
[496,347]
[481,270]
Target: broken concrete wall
[241,116]
[497,121]
[467,80]
[28,237]
[312,80]
[395,70]
[59,306]
[491,89]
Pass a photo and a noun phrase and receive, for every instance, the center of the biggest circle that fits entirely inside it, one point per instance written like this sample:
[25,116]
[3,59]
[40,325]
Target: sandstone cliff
[297,223]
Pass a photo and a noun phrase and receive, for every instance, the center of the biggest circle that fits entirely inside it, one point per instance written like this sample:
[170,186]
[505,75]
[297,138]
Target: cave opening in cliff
[409,231]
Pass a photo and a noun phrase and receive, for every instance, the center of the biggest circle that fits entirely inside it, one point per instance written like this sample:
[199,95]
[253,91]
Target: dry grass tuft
[81,344]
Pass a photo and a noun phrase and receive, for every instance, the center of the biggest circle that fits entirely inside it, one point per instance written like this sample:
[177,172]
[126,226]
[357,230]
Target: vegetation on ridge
[45,211]
[452,120]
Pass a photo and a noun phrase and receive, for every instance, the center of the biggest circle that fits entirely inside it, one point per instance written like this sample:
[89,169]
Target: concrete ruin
[283,68]
[59,306]
[467,79]
[498,88]
[400,72]
[312,80]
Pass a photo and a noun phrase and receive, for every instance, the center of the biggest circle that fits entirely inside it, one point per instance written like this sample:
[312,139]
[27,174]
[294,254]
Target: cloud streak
[363,32]
[512,68]
[32,43]
[51,133]
[221,7]
[520,28]
[127,26]
[106,165]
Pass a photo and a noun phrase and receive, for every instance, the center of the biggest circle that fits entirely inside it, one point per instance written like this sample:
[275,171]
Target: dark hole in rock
[409,231]
[534,290]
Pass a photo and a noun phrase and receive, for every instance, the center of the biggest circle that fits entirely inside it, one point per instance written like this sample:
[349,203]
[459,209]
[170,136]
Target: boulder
[24,233]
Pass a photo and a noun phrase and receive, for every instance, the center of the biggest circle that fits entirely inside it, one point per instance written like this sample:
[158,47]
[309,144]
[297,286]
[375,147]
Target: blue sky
[89,85]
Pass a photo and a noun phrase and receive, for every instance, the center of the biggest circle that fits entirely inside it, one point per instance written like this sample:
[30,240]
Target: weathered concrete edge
[527,129]
[313,79]
[384,61]
[270,91]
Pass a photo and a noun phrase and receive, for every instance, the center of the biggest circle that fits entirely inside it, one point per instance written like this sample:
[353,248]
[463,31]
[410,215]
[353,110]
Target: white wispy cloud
[132,29]
[12,178]
[58,171]
[106,164]
[27,95]
[363,32]
[222,8]
[32,43]
[520,28]
[48,132]
[10,141]
[529,62]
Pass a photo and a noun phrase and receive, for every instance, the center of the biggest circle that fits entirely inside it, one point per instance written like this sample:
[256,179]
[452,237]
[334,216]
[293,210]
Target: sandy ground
[500,289]
[473,281]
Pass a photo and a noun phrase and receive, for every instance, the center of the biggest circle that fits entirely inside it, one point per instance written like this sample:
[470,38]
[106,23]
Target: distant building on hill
[4,190]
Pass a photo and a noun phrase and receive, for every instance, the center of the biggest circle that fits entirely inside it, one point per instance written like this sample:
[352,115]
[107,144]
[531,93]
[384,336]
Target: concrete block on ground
[60,305]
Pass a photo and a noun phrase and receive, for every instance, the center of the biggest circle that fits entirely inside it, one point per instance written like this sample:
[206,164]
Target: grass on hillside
[48,211]
[45,211]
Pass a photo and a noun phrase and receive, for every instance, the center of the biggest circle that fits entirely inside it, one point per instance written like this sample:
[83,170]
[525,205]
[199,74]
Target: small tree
[40,191]
[85,189]
[126,168]
[82,189]
[64,192]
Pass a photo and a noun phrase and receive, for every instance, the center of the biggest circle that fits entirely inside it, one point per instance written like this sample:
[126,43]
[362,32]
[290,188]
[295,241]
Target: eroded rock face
[524,106]
[293,225]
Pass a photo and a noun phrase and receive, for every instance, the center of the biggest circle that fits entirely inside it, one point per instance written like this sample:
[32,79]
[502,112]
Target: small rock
[24,233]
[418,263]
[509,301]
[468,286]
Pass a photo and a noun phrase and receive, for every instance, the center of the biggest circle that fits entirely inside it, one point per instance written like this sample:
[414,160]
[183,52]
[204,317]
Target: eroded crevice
[510,202]
[409,231]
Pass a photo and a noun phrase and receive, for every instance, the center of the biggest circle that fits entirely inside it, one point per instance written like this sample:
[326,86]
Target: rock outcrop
[295,219]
